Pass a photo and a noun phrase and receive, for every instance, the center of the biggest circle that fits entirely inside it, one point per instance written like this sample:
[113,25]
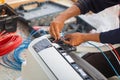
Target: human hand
[57,24]
[56,27]
[74,39]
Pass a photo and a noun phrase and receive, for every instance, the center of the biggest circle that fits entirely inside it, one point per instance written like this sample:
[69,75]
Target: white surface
[89,48]
[105,20]
[20,78]
[38,64]
[8,74]
[59,65]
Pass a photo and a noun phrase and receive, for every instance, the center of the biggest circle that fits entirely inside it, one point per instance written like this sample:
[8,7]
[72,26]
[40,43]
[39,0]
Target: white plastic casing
[47,64]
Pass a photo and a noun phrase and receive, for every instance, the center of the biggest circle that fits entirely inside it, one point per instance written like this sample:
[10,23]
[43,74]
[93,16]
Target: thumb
[66,42]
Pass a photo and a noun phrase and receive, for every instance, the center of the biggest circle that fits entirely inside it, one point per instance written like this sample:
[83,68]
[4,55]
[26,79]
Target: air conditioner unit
[48,61]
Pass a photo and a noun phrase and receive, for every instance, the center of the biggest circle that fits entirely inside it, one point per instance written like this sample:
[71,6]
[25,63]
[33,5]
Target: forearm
[70,12]
[91,37]
[111,37]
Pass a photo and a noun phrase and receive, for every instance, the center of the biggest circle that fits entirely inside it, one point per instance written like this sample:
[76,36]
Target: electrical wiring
[1,33]
[10,63]
[106,59]
[113,53]
[18,51]
[9,42]
[4,65]
[117,54]
[22,47]
[15,61]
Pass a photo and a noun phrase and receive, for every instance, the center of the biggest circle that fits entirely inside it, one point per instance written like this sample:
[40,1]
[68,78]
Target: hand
[74,39]
[55,28]
[57,25]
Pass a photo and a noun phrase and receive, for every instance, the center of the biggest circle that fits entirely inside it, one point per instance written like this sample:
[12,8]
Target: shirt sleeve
[112,37]
[95,5]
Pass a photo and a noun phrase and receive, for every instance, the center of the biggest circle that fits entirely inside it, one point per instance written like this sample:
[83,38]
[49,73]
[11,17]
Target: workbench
[9,74]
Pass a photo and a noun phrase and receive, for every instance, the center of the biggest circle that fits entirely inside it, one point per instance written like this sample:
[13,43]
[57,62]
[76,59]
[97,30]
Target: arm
[81,7]
[112,36]
[91,37]
[70,12]
[95,5]
[76,39]
[58,23]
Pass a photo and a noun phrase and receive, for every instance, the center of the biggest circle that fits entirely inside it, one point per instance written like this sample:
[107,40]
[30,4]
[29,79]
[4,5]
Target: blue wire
[10,63]
[16,55]
[4,65]
[18,51]
[23,46]
[18,61]
[106,59]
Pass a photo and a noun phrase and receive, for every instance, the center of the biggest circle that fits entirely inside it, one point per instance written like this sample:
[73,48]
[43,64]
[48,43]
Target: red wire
[117,54]
[9,42]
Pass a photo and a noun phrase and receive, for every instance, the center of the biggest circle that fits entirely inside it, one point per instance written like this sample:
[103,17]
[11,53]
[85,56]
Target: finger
[57,33]
[66,42]
[67,37]
[52,31]
[69,43]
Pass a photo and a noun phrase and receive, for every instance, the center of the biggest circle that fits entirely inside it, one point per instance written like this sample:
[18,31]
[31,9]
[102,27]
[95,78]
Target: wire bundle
[9,62]
[113,52]
[22,47]
[8,42]
[116,72]
[18,51]
[14,60]
[116,53]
